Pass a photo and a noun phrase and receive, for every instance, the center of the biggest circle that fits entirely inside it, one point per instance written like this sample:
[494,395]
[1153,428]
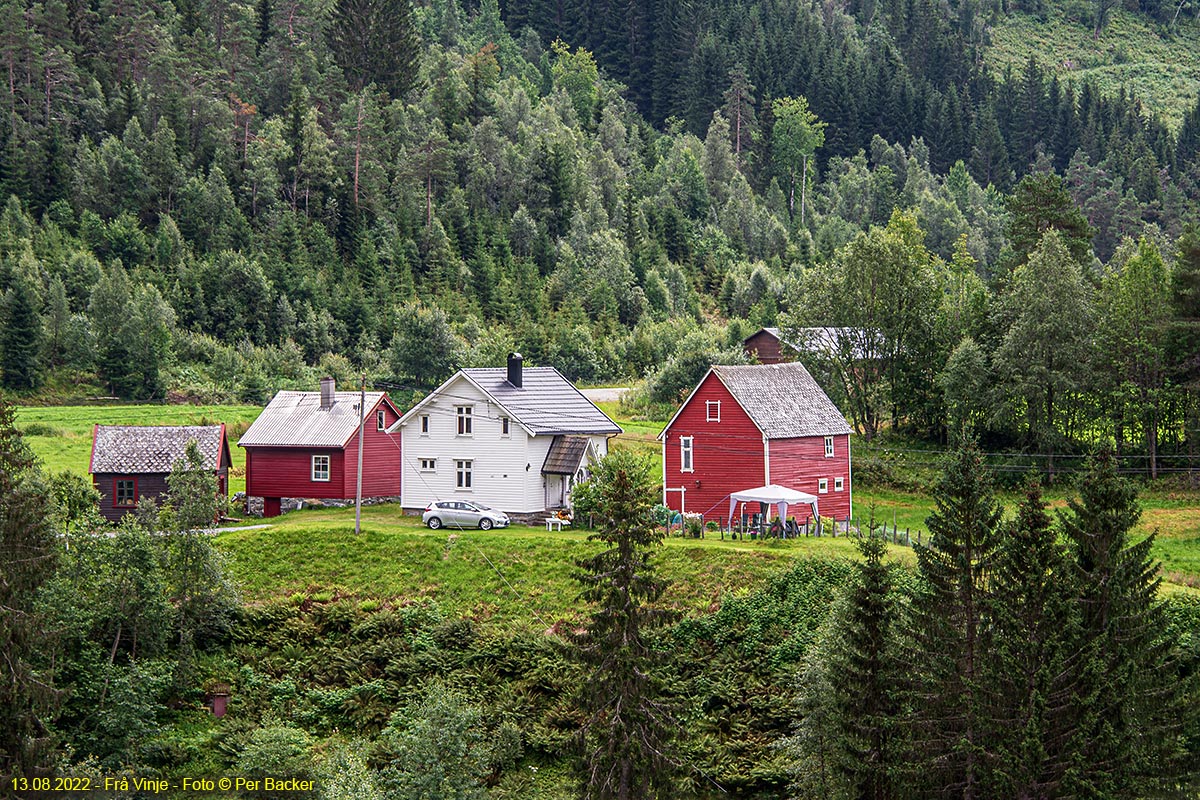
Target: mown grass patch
[520,574]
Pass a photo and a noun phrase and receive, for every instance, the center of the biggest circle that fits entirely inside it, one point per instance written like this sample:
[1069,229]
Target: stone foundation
[254,505]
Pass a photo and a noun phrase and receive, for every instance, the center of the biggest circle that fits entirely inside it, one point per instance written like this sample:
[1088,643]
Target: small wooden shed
[130,462]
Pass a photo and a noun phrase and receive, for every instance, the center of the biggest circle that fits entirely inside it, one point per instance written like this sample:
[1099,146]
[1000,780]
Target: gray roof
[546,403]
[819,339]
[133,449]
[565,455]
[296,419]
[783,400]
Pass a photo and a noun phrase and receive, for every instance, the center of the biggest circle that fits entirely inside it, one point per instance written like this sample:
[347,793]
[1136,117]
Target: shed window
[424,424]
[504,427]
[713,410]
[320,468]
[823,486]
[125,492]
[685,454]
[381,420]
[839,484]
[428,464]
[462,471]
[829,447]
[464,420]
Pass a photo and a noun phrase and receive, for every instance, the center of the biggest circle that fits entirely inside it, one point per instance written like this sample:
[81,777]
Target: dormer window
[712,410]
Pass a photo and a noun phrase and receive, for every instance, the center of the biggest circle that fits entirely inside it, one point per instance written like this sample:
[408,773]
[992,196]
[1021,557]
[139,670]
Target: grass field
[518,574]
[316,550]
[1162,70]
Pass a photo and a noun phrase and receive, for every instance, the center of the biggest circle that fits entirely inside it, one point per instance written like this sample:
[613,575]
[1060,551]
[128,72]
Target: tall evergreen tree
[950,634]
[1132,700]
[28,553]
[1030,667]
[864,678]
[21,337]
[627,730]
[374,41]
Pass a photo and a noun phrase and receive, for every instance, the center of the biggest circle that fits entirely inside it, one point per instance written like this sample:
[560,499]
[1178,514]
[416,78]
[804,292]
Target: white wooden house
[511,438]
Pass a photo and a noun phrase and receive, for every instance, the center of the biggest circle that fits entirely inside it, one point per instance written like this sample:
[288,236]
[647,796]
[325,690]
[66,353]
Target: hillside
[1132,54]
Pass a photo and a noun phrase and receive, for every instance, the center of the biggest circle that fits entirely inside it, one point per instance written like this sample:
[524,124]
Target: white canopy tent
[773,495]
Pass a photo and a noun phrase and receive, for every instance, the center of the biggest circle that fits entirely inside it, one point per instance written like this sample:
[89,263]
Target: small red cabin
[305,445]
[130,462]
[748,426]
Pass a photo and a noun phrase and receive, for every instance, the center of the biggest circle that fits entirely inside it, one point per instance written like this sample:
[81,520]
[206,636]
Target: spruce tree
[375,41]
[863,676]
[28,554]
[950,631]
[627,728]
[20,337]
[1131,698]
[1030,664]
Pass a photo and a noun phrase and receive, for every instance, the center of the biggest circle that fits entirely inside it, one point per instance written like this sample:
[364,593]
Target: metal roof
[546,403]
[565,455]
[134,449]
[783,400]
[296,419]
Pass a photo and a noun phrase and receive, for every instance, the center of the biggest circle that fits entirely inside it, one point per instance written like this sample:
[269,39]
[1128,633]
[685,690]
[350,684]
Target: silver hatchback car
[463,514]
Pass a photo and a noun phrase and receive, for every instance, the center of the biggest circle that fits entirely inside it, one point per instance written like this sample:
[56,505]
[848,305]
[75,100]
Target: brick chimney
[327,387]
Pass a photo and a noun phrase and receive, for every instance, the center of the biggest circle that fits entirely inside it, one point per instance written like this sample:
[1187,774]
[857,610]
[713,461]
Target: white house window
[838,484]
[320,468]
[464,420]
[504,427]
[463,474]
[380,420]
[823,486]
[424,424]
[685,454]
[829,447]
[713,410]
[428,464]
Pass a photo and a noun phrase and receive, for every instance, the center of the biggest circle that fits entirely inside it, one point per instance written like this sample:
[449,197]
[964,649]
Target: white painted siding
[506,471]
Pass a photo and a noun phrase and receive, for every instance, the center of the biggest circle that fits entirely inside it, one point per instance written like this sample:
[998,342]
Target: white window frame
[687,454]
[839,484]
[709,416]
[829,447]
[463,479]
[380,420]
[428,465]
[463,419]
[505,428]
[823,486]
[424,424]
[328,469]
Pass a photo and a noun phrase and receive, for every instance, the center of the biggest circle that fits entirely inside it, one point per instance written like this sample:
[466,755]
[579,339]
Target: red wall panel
[800,464]
[381,458]
[727,455]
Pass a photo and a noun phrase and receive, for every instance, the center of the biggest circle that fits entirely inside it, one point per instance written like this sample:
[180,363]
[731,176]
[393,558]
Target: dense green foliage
[219,202]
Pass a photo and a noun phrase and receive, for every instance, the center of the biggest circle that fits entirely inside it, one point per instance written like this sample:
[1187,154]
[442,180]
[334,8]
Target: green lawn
[520,573]
[61,436]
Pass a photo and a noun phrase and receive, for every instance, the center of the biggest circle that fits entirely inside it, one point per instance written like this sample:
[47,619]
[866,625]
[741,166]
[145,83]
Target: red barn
[305,445]
[750,426]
